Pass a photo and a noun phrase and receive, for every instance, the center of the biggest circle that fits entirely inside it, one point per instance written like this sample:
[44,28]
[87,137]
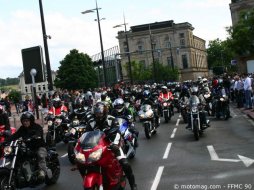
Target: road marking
[215,157]
[180,115]
[173,133]
[157,178]
[177,122]
[167,151]
[250,120]
[233,113]
[64,155]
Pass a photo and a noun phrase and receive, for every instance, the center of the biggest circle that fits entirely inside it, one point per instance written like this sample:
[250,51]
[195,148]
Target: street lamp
[127,45]
[171,56]
[102,51]
[45,37]
[152,48]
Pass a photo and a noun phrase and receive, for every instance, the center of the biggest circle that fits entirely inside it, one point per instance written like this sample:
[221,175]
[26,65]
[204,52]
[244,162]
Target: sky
[20,25]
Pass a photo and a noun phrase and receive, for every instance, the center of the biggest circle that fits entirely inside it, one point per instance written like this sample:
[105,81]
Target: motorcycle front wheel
[71,154]
[4,180]
[55,168]
[147,130]
[196,129]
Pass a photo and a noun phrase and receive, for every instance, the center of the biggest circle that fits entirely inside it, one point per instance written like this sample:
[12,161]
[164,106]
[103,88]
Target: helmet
[146,94]
[119,104]
[205,80]
[194,90]
[57,102]
[100,111]
[146,87]
[164,89]
[27,115]
[103,96]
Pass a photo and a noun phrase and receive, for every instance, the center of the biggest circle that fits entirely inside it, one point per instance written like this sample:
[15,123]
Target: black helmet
[194,90]
[119,104]
[100,111]
[57,103]
[27,115]
[79,102]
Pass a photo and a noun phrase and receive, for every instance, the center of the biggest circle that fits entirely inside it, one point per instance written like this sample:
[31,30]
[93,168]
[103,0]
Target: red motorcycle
[2,137]
[97,164]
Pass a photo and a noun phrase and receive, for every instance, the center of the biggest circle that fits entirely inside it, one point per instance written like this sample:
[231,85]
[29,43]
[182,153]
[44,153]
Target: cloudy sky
[20,24]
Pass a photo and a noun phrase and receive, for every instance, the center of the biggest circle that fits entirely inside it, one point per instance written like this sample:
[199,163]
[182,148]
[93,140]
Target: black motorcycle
[19,168]
[222,107]
[184,110]
[56,130]
[76,130]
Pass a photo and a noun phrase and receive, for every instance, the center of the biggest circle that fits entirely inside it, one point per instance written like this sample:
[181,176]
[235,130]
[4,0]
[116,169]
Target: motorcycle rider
[80,110]
[147,99]
[165,95]
[205,123]
[31,130]
[4,122]
[121,111]
[103,121]
[58,107]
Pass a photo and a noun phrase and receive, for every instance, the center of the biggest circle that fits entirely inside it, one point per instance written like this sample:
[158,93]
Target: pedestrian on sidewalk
[247,91]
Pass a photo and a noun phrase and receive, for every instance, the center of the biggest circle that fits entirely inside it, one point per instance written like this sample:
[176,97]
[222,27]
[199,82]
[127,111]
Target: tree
[76,72]
[241,35]
[166,73]
[15,96]
[139,71]
[219,54]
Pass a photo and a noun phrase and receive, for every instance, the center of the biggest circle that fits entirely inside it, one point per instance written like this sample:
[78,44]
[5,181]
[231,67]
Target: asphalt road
[172,159]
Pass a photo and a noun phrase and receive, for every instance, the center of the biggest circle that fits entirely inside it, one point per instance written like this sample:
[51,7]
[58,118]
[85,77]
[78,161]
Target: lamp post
[171,56]
[152,48]
[45,37]
[128,51]
[102,51]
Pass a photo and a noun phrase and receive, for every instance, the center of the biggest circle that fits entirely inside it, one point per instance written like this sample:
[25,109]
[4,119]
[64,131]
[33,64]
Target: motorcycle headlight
[96,155]
[194,109]
[80,157]
[141,116]
[7,150]
[164,104]
[222,99]
[50,123]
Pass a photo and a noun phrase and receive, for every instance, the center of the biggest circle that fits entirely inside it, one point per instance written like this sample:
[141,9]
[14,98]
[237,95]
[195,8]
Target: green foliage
[241,39]
[76,72]
[141,73]
[219,53]
[9,81]
[14,96]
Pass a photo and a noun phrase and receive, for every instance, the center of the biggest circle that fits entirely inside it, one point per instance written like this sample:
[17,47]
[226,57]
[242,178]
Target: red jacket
[166,96]
[57,111]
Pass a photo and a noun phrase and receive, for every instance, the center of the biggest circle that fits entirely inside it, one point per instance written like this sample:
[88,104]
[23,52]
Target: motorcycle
[195,119]
[167,110]
[222,107]
[97,164]
[208,100]
[56,130]
[19,167]
[76,130]
[176,101]
[130,140]
[146,115]
[183,110]
[2,138]
[131,108]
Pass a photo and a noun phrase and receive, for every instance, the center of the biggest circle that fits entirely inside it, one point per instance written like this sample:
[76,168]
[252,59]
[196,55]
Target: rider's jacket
[166,96]
[58,111]
[4,120]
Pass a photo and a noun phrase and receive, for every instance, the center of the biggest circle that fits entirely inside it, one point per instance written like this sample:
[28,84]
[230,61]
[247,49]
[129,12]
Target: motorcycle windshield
[90,139]
[145,107]
[194,101]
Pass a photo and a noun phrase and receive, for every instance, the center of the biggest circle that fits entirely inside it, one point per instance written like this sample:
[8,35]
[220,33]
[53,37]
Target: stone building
[26,89]
[168,43]
[245,62]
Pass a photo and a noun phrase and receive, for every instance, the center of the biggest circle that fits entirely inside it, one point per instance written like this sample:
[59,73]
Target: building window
[39,87]
[124,43]
[125,49]
[168,45]
[181,35]
[185,61]
[182,42]
[43,87]
[140,49]
[169,61]
[26,89]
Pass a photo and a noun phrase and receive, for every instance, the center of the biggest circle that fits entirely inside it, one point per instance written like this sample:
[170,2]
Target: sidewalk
[249,112]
